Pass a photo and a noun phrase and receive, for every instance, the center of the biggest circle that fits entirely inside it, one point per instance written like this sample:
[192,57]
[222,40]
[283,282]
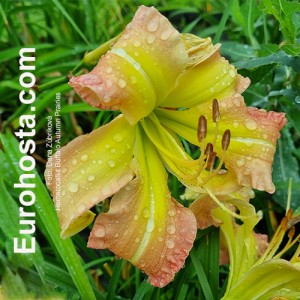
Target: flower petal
[92,167]
[210,77]
[139,71]
[254,134]
[145,225]
[274,279]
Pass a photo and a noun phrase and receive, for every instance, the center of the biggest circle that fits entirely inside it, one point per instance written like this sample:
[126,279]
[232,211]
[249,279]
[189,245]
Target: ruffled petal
[92,168]
[139,71]
[210,77]
[254,134]
[145,225]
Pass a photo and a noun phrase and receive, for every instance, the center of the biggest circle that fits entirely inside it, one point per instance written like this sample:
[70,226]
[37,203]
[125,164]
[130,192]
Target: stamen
[226,140]
[211,161]
[202,128]
[215,110]
[209,149]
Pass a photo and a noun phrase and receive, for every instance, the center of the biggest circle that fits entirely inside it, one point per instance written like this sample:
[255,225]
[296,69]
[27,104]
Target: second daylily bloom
[162,82]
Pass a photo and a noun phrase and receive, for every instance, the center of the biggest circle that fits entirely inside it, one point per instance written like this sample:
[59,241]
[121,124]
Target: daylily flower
[254,274]
[162,82]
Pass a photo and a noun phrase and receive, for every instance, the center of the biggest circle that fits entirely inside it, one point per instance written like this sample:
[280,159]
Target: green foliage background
[261,38]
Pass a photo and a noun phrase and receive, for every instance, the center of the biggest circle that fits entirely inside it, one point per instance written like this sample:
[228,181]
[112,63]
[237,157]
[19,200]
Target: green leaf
[47,220]
[285,12]
[286,167]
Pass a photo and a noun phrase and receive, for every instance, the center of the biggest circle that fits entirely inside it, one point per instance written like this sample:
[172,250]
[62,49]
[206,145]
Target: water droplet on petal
[235,124]
[170,244]
[212,89]
[152,25]
[117,137]
[160,239]
[171,229]
[108,69]
[232,73]
[112,150]
[172,213]
[126,36]
[91,178]
[136,217]
[146,213]
[166,34]
[136,44]
[64,170]
[137,240]
[100,231]
[74,162]
[82,171]
[100,161]
[150,38]
[251,125]
[111,163]
[73,187]
[84,157]
[121,83]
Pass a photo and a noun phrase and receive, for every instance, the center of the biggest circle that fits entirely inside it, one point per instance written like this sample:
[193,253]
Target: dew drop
[172,213]
[121,83]
[232,73]
[100,231]
[84,157]
[171,229]
[251,125]
[95,198]
[74,162]
[146,213]
[64,170]
[112,150]
[100,161]
[107,146]
[170,244]
[212,89]
[265,136]
[166,34]
[111,163]
[117,137]
[136,217]
[152,25]
[108,69]
[150,38]
[160,239]
[82,171]
[136,44]
[91,178]
[137,240]
[73,187]
[126,36]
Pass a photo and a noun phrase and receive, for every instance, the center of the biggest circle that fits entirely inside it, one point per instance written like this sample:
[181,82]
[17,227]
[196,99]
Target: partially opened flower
[162,82]
[257,270]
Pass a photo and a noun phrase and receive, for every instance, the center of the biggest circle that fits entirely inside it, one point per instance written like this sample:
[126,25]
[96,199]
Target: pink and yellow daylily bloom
[162,82]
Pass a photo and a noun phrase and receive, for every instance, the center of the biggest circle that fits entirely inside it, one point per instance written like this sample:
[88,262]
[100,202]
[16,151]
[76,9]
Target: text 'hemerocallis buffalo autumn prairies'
[166,85]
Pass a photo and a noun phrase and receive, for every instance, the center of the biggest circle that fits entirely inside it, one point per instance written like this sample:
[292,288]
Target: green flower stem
[92,57]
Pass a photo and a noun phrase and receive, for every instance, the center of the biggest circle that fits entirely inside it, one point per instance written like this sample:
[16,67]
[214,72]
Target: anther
[215,111]
[202,128]
[226,139]
[211,160]
[291,232]
[209,149]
